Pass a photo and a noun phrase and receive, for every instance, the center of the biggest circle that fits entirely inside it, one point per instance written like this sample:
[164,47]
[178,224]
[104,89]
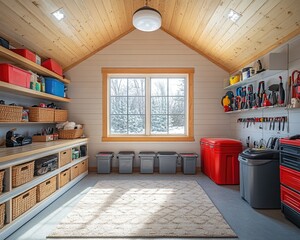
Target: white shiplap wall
[140,49]
[262,131]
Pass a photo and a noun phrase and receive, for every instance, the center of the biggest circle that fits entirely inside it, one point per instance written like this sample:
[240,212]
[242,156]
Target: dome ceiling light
[146,19]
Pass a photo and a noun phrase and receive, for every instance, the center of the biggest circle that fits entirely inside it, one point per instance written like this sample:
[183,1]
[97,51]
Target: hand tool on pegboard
[281,95]
[296,84]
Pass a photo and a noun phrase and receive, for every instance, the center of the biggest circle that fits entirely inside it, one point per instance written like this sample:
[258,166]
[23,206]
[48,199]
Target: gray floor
[247,222]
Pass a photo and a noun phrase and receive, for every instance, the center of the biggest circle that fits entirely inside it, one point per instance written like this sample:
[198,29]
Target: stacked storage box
[188,162]
[147,162]
[125,161]
[219,157]
[290,179]
[167,162]
[104,162]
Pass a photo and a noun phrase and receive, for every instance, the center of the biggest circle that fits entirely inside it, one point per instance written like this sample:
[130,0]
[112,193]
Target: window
[147,104]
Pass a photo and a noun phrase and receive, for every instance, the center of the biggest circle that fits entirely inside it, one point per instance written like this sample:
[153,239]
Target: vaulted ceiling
[203,25]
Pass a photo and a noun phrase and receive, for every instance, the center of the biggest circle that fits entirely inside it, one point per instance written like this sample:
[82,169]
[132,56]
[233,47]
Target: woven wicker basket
[45,189]
[23,202]
[37,114]
[75,171]
[22,173]
[83,166]
[70,134]
[65,157]
[60,115]
[10,113]
[2,215]
[1,180]
[64,177]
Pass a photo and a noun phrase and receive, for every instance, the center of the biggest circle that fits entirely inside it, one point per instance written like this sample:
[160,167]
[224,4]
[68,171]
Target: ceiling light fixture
[59,14]
[146,19]
[233,15]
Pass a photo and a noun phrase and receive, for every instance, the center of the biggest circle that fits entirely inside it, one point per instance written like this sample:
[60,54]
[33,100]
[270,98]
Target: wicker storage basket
[75,171]
[60,115]
[23,202]
[10,113]
[64,177]
[65,157]
[83,166]
[1,180]
[22,173]
[37,114]
[45,189]
[70,134]
[2,215]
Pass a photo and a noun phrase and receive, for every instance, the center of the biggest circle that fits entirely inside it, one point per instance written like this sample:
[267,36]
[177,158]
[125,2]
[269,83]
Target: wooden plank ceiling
[203,25]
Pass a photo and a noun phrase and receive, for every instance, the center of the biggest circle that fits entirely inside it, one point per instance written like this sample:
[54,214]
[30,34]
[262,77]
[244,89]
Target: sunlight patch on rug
[133,208]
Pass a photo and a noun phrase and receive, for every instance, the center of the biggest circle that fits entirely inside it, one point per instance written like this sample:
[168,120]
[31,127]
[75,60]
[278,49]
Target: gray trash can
[259,178]
[125,161]
[147,161]
[104,160]
[188,162]
[167,162]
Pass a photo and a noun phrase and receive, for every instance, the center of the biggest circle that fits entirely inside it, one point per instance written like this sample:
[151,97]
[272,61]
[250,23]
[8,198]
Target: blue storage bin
[54,86]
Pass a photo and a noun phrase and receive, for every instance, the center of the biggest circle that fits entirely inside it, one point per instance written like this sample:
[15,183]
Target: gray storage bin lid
[261,154]
[166,153]
[126,153]
[147,154]
[188,155]
[108,154]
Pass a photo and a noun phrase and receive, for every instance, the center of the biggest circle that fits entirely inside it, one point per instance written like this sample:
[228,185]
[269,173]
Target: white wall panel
[139,49]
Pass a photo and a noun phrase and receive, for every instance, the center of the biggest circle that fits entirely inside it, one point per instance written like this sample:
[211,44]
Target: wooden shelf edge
[26,63]
[31,93]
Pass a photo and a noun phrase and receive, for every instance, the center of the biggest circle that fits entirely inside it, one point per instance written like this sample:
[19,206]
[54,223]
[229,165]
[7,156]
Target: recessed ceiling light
[233,15]
[59,14]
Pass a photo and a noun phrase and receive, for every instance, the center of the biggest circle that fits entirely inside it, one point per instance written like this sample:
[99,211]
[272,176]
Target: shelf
[259,76]
[29,65]
[37,180]
[253,109]
[28,123]
[30,93]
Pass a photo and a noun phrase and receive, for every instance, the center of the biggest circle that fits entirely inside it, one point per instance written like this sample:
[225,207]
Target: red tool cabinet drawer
[290,178]
[290,198]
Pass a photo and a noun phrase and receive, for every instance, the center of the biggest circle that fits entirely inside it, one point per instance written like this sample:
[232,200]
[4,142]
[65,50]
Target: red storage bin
[221,159]
[53,66]
[14,75]
[25,53]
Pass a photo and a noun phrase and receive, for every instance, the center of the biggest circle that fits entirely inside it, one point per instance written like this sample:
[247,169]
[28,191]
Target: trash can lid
[147,153]
[105,154]
[126,153]
[167,153]
[188,154]
[260,153]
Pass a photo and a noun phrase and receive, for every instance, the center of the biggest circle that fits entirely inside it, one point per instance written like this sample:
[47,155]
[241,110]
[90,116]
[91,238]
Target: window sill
[148,139]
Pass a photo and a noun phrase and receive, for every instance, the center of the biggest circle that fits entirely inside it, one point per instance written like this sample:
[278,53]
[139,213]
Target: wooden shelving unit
[29,65]
[10,157]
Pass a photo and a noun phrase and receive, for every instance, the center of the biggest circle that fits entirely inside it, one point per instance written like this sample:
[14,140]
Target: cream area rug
[150,209]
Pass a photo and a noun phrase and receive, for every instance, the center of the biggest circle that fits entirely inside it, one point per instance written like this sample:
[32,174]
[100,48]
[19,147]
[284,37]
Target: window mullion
[148,106]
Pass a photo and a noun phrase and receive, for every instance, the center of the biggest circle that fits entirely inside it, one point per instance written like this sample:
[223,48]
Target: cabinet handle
[25,195]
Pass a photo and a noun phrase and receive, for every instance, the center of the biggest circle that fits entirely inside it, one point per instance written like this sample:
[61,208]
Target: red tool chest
[290,179]
[219,159]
